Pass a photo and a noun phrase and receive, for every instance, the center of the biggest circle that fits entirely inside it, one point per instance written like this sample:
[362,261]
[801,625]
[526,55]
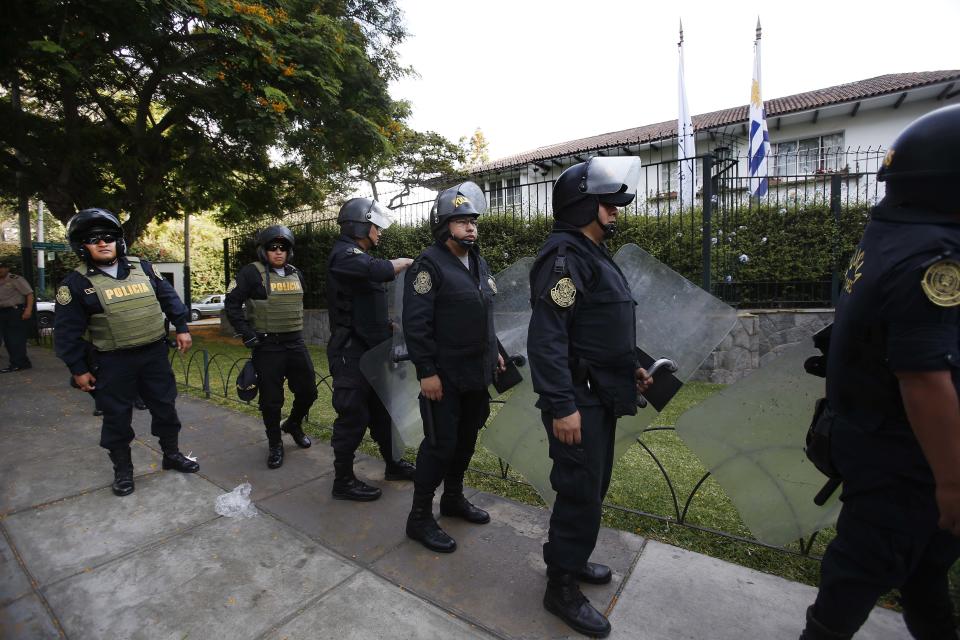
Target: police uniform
[357,303]
[898,312]
[13,328]
[274,321]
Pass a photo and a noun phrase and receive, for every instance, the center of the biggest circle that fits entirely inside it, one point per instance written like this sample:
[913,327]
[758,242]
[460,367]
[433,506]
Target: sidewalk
[78,562]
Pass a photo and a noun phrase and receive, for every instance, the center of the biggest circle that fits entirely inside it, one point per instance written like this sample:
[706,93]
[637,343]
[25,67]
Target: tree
[476,149]
[156,107]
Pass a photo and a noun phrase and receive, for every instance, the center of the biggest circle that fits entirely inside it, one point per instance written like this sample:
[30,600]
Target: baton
[824,494]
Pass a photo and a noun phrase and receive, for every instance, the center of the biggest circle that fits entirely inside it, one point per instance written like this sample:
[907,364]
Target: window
[504,193]
[819,154]
[668,177]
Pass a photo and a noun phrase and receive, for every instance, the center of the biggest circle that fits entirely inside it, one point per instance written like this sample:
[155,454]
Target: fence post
[835,210]
[206,373]
[226,264]
[707,219]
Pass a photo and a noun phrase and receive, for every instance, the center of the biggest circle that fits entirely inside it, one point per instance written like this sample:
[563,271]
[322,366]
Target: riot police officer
[357,303]
[892,388]
[448,326]
[272,328]
[110,332]
[584,366]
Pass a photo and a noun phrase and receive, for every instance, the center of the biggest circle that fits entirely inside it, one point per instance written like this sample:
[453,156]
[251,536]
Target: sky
[529,74]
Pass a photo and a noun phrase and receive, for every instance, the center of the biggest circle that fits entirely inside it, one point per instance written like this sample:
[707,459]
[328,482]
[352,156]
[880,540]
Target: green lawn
[637,481]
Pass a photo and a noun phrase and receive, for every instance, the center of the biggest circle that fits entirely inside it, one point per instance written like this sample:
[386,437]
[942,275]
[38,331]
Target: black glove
[252,342]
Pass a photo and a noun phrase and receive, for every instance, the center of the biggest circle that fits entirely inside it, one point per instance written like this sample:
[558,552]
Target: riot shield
[675,319]
[751,435]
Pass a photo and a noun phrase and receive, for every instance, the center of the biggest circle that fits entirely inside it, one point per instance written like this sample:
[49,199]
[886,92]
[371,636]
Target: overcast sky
[531,73]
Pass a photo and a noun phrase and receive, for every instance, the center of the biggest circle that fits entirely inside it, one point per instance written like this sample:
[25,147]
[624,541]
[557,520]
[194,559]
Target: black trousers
[457,419]
[581,477]
[13,329]
[276,362]
[358,407]
[888,540]
[121,376]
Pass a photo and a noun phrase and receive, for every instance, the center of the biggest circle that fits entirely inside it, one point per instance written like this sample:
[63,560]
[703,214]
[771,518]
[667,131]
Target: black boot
[816,631]
[296,432]
[455,505]
[422,527]
[564,600]
[179,462]
[399,470]
[594,573]
[275,456]
[347,487]
[122,472]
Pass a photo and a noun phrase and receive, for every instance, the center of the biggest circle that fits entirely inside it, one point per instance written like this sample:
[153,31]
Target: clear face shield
[616,178]
[379,215]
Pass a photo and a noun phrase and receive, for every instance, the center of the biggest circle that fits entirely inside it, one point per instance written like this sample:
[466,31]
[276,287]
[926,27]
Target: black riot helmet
[464,199]
[88,221]
[357,214]
[580,189]
[922,167]
[279,233]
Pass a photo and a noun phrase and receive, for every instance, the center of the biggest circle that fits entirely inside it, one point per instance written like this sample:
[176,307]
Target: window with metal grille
[817,154]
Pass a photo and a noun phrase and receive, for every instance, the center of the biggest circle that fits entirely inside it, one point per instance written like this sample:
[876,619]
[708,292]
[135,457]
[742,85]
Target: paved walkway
[76,561]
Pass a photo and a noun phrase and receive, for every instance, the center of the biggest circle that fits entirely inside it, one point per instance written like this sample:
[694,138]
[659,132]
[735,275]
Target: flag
[759,144]
[686,145]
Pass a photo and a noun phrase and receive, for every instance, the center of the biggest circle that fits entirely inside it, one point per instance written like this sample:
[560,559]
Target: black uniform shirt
[587,333]
[885,322]
[72,318]
[448,317]
[356,298]
[250,286]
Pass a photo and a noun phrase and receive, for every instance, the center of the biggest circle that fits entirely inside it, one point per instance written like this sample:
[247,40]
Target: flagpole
[686,142]
[759,140]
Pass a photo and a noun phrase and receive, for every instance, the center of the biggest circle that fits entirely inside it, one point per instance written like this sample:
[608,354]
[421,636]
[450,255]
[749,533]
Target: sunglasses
[277,247]
[108,238]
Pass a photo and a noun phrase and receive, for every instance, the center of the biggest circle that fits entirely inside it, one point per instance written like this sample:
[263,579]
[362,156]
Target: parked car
[208,306]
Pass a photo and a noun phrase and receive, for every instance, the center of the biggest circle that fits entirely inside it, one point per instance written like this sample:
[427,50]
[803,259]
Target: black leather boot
[399,470]
[816,631]
[455,505]
[422,527]
[122,472]
[594,573]
[179,462]
[564,600]
[295,430]
[275,456]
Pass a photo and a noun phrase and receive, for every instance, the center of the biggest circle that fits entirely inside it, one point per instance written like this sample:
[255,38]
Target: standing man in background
[357,303]
[272,328]
[16,309]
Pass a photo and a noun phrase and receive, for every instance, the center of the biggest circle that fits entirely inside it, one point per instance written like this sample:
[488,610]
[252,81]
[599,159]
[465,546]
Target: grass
[637,482]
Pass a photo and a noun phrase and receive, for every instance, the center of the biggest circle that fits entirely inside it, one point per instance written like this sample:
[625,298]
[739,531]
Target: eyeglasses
[465,222]
[277,247]
[108,238]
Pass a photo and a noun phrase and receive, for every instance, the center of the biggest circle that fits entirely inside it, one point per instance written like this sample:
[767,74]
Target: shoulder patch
[422,283]
[63,295]
[355,250]
[492,283]
[941,283]
[564,292]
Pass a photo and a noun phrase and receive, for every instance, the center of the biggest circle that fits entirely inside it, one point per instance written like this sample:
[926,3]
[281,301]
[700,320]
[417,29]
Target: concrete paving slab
[396,614]
[26,619]
[497,576]
[80,533]
[65,472]
[228,579]
[363,531]
[13,581]
[674,594]
[248,463]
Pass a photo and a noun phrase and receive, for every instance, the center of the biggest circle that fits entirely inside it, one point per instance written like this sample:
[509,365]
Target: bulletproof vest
[357,307]
[131,316]
[282,310]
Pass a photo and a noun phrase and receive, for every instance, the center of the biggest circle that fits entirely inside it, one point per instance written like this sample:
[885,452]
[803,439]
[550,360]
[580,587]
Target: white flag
[759,148]
[686,145]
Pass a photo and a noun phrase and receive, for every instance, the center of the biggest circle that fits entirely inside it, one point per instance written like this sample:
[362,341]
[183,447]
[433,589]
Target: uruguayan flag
[759,147]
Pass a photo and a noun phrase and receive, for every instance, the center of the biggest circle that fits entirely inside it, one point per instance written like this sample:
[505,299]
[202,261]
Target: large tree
[154,107]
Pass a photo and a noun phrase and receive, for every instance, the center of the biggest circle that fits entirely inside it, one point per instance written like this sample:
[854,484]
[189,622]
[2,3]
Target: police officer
[357,302]
[272,328]
[16,308]
[115,304]
[584,366]
[448,326]
[892,384]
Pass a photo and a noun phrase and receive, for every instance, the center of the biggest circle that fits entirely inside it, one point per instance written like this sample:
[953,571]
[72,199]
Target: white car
[208,306]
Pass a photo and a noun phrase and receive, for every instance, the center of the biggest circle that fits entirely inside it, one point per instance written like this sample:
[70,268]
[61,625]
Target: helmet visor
[379,215]
[613,176]
[465,199]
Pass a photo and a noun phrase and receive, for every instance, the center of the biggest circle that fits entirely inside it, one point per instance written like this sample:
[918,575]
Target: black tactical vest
[358,309]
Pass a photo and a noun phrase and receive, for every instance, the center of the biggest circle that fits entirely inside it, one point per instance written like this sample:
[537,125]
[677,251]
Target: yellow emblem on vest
[853,271]
[422,283]
[493,284]
[941,283]
[63,295]
[564,292]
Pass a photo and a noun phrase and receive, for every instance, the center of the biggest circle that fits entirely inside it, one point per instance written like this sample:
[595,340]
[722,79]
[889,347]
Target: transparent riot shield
[751,436]
[675,319]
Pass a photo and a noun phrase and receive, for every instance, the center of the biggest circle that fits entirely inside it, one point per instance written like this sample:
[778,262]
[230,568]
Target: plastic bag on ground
[236,504]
